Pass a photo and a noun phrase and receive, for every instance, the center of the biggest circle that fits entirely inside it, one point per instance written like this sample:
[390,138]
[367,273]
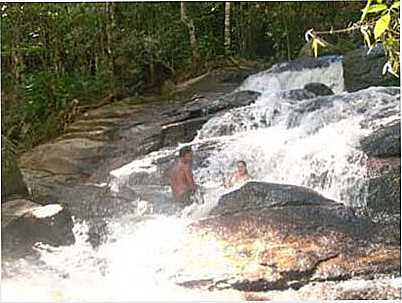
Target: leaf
[364,10]
[381,25]
[376,8]
[396,4]
[320,42]
[314,46]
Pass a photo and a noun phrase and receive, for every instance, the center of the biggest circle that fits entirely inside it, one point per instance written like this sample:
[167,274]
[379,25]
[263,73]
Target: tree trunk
[227,28]
[191,30]
[110,25]
[285,22]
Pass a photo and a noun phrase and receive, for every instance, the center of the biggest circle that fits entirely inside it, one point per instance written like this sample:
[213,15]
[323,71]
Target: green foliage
[382,21]
[37,114]
[379,23]
[53,53]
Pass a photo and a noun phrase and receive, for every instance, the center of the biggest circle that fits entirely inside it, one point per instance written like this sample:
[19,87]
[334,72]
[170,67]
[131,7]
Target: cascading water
[311,142]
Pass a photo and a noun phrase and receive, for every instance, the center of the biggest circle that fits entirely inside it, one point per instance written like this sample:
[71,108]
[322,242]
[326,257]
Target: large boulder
[383,147]
[281,246]
[362,69]
[385,142]
[258,195]
[25,223]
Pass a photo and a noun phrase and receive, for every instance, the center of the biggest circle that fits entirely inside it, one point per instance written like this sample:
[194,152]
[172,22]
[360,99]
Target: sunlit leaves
[381,25]
[395,5]
[376,8]
[365,9]
[315,44]
[378,23]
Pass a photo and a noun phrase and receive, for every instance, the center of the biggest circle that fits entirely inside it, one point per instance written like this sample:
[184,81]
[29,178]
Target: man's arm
[189,176]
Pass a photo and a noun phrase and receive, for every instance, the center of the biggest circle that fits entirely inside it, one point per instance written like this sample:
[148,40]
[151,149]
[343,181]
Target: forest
[55,55]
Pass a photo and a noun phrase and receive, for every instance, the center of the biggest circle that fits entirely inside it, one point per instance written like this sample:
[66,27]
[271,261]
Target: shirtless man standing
[181,177]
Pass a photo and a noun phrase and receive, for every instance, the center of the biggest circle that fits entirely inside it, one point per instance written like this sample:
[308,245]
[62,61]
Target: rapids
[309,142]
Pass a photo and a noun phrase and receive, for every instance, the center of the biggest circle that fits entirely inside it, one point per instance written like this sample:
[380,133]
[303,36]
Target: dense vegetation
[53,53]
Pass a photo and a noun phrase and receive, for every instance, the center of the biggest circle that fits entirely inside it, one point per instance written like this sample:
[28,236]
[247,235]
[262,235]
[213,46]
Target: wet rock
[384,188]
[273,237]
[202,106]
[384,142]
[305,63]
[319,89]
[381,288]
[183,131]
[281,248]
[383,148]
[258,195]
[25,223]
[298,94]
[237,76]
[362,70]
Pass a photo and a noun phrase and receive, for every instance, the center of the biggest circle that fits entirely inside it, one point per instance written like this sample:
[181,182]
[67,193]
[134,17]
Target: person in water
[240,175]
[181,177]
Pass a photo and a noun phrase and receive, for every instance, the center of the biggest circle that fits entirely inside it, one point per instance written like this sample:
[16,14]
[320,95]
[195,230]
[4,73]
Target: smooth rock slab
[280,248]
[267,236]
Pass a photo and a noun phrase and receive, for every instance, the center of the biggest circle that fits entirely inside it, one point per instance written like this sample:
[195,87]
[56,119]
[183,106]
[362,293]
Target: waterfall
[295,74]
[312,142]
[286,136]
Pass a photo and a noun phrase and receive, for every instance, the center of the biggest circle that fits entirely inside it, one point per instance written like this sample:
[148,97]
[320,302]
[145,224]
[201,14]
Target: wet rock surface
[23,225]
[383,148]
[381,288]
[257,195]
[305,63]
[385,142]
[363,69]
[284,247]
[319,89]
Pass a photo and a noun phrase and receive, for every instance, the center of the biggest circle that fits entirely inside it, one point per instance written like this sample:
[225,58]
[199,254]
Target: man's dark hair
[184,150]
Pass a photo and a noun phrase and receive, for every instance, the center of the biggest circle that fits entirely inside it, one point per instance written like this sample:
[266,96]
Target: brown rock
[280,248]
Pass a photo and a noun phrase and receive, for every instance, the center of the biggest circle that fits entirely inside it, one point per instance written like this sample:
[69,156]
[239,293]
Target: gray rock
[384,142]
[384,188]
[362,70]
[319,89]
[383,148]
[282,246]
[260,195]
[23,227]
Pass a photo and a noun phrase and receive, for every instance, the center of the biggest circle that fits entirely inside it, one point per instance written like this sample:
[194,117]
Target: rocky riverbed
[265,240]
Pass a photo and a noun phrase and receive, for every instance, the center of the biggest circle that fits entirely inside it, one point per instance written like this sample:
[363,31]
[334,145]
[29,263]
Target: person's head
[186,154]
[241,167]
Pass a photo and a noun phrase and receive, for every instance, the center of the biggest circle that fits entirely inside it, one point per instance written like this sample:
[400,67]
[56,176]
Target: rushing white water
[281,139]
[280,77]
[317,149]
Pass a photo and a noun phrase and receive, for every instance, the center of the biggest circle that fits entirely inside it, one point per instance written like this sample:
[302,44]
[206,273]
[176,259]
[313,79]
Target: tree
[227,27]
[191,30]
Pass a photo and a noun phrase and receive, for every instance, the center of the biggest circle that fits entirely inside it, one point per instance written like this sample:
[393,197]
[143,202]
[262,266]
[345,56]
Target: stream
[286,136]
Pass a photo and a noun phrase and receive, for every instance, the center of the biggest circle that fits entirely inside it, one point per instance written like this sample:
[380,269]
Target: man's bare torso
[181,179]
